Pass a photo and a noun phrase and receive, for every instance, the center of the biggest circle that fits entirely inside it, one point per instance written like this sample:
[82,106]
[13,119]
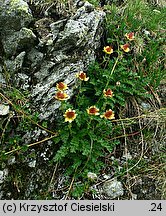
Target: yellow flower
[93,110]
[61,86]
[108,50]
[125,47]
[61,96]
[70,115]
[108,93]
[82,76]
[109,114]
[130,36]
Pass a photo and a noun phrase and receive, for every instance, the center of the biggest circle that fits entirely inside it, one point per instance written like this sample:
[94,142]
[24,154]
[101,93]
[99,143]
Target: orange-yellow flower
[108,50]
[108,93]
[109,114]
[93,110]
[125,47]
[70,115]
[61,96]
[82,76]
[61,86]
[130,36]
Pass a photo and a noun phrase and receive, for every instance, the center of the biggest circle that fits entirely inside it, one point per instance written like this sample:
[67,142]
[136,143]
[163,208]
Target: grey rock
[43,30]
[9,65]
[32,163]
[45,91]
[12,66]
[14,15]
[4,109]
[45,71]
[113,189]
[11,160]
[73,50]
[22,81]
[35,57]
[3,175]
[1,69]
[145,106]
[86,7]
[17,41]
[2,79]
[56,27]
[19,61]
[72,36]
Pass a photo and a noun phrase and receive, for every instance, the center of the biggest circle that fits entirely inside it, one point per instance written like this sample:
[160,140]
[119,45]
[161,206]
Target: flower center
[108,114]
[130,35]
[61,85]
[109,49]
[126,46]
[109,92]
[92,110]
[70,114]
[82,76]
[60,95]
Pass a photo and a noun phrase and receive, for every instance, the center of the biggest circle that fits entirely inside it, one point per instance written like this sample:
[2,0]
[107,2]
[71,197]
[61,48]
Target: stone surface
[60,49]
[3,175]
[4,109]
[75,42]
[14,15]
[113,189]
[17,41]
[2,79]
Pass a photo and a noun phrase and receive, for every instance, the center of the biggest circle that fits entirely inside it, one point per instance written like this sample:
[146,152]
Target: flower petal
[61,86]
[108,50]
[93,110]
[82,76]
[70,115]
[61,96]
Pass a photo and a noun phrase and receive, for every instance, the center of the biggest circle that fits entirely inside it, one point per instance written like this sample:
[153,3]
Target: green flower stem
[79,87]
[63,106]
[70,126]
[89,123]
[113,69]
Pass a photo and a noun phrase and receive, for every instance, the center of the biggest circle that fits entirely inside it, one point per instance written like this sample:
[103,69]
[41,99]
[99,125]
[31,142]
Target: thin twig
[26,115]
[71,185]
[30,145]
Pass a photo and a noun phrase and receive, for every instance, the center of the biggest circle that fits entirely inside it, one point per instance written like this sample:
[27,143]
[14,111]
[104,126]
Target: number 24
[156,207]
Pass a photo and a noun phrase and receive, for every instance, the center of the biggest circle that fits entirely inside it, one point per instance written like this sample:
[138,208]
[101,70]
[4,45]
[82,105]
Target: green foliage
[147,59]
[84,143]
[15,125]
[94,2]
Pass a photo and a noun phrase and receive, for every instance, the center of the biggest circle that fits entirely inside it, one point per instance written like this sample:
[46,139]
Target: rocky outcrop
[55,50]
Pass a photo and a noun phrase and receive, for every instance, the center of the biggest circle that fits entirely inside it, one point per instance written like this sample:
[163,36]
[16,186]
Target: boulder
[15,17]
[74,42]
[113,189]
